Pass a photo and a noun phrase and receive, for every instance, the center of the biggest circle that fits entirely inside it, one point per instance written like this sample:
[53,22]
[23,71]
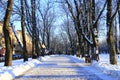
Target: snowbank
[9,73]
[108,69]
[104,66]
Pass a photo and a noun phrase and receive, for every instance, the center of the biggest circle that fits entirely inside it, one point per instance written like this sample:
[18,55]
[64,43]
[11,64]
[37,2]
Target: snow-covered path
[59,68]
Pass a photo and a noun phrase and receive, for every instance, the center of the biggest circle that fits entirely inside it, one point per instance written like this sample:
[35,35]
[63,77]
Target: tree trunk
[33,4]
[37,43]
[94,31]
[48,39]
[110,38]
[44,31]
[84,48]
[8,55]
[78,41]
[23,32]
[77,49]
[86,30]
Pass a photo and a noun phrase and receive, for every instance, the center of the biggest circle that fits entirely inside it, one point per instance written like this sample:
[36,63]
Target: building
[14,40]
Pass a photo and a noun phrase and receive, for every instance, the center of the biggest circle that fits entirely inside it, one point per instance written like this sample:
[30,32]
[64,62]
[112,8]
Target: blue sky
[17,25]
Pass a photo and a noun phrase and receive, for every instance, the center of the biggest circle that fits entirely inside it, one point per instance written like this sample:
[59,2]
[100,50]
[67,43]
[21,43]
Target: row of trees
[80,23]
[36,17]
[86,16]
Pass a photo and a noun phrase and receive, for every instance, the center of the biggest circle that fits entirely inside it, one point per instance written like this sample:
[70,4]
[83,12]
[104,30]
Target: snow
[18,68]
[87,38]
[102,68]
[15,33]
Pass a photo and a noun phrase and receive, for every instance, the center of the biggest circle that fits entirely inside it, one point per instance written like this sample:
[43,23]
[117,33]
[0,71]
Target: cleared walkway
[59,68]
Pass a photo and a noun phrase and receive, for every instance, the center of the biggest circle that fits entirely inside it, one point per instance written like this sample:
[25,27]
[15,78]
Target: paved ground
[59,68]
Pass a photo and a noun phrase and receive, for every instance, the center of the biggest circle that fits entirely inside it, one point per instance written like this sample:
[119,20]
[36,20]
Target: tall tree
[23,32]
[47,18]
[35,50]
[75,14]
[110,37]
[6,30]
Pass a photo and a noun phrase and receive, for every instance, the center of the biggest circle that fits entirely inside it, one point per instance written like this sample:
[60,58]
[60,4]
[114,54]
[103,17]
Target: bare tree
[68,29]
[8,55]
[46,19]
[23,32]
[110,38]
[33,6]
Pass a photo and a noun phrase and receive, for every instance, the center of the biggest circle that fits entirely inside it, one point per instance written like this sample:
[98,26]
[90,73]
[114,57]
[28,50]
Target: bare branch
[116,10]
[70,9]
[100,14]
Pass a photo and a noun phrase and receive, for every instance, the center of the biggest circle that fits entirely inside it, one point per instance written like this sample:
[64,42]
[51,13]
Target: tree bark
[8,55]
